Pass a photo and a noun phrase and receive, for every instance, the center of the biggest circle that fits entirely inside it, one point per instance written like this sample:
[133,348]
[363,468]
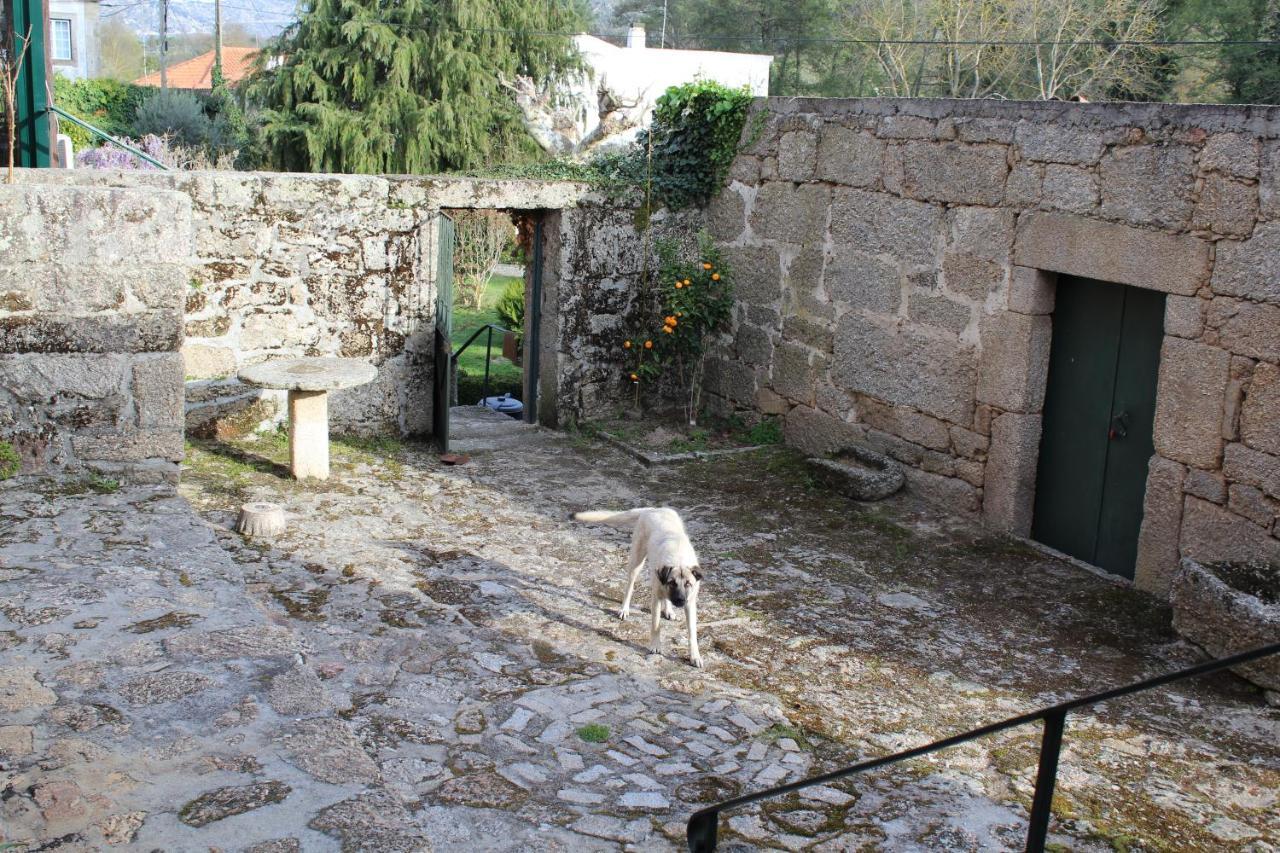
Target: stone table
[309,381]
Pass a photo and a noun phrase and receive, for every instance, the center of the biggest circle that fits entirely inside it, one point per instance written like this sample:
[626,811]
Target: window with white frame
[61,28]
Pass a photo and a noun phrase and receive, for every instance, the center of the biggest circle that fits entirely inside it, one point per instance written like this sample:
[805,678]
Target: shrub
[510,309]
[109,105]
[179,115]
[10,464]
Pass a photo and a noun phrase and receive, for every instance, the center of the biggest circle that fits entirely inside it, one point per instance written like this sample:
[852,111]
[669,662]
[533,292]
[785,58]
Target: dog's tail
[625,519]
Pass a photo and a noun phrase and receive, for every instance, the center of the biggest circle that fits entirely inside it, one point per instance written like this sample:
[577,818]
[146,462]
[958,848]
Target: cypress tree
[406,86]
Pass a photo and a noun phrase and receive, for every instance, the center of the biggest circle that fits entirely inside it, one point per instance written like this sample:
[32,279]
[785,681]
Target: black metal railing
[106,136]
[704,824]
[488,353]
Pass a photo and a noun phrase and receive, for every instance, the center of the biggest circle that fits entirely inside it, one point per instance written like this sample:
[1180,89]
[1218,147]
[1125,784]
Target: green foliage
[229,129]
[1251,72]
[101,485]
[767,431]
[677,324]
[173,113]
[594,733]
[106,104]
[695,132]
[408,87]
[510,309]
[504,377]
[10,464]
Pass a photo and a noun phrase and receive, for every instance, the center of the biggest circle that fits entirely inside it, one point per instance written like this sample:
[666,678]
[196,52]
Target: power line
[815,40]
[787,39]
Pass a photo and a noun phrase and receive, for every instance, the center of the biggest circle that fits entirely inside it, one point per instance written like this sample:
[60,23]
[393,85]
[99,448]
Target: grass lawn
[504,376]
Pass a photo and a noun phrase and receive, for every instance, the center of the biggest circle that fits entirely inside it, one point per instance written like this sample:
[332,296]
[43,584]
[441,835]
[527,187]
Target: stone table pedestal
[309,381]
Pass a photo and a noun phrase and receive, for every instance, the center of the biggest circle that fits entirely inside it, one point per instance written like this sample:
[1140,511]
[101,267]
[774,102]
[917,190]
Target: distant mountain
[261,17]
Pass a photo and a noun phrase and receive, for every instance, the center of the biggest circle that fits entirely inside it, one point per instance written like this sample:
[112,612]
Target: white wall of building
[79,20]
[639,74]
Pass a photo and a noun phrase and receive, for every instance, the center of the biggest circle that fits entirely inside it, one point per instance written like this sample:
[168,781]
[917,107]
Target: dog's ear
[697,575]
[664,574]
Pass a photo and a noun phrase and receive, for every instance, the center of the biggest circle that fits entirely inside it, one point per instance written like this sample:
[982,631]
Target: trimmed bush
[176,114]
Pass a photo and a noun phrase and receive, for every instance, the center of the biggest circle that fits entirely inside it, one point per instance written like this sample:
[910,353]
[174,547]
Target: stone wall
[896,264]
[92,282]
[597,263]
[290,265]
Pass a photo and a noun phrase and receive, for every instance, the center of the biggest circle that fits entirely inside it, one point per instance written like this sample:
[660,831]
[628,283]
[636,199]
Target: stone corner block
[1009,483]
[1157,560]
[1032,291]
[1014,367]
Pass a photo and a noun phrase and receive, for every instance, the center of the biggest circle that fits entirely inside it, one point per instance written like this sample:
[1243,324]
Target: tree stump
[261,519]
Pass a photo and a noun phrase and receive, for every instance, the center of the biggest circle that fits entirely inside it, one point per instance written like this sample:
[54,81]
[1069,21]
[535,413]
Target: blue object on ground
[506,404]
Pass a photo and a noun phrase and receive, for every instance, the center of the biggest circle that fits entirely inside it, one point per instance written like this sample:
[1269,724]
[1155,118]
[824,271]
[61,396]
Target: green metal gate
[441,396]
[1098,415]
[33,139]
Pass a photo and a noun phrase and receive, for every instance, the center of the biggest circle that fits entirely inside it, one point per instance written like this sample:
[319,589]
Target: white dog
[658,540]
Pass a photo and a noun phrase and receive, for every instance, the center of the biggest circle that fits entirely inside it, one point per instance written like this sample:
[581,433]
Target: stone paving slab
[430,658]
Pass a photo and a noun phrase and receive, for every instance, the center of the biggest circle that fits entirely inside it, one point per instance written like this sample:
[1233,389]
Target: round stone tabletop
[309,374]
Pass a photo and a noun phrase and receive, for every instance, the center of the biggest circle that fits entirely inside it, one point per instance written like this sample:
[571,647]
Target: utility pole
[164,45]
[217,44]
[662,42]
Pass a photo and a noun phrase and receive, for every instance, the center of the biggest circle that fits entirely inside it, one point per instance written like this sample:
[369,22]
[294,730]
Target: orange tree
[693,304]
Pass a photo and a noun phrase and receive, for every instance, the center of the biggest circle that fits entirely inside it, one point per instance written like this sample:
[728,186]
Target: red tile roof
[197,73]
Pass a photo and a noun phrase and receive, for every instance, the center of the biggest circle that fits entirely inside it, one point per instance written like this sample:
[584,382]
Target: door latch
[1119,426]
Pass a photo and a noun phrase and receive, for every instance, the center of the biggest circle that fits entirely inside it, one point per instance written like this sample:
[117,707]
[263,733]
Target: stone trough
[859,473]
[1231,607]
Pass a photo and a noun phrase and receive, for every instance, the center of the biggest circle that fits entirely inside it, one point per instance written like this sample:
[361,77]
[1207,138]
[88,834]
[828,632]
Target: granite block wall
[897,264]
[92,283]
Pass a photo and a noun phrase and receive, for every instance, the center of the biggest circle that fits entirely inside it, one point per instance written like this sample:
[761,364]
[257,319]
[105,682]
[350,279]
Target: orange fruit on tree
[706,266]
[626,344]
[715,276]
[648,344]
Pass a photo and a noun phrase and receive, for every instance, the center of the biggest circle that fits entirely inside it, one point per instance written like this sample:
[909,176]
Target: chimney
[635,36]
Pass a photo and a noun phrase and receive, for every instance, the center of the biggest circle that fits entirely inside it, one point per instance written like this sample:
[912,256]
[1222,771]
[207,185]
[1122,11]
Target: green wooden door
[1098,415]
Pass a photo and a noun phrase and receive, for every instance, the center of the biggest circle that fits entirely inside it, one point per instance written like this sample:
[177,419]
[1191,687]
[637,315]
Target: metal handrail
[488,353]
[108,137]
[704,824]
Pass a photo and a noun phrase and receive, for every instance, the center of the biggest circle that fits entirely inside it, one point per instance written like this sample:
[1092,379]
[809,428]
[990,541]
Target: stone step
[474,429]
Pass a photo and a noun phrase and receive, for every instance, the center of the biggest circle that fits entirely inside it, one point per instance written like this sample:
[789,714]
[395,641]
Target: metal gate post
[32,93]
[1046,779]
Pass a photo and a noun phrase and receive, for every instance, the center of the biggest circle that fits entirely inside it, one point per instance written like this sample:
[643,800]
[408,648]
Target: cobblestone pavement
[430,658]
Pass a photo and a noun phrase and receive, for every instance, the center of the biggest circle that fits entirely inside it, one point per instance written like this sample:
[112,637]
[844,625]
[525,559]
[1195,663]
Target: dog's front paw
[623,614]
[696,660]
